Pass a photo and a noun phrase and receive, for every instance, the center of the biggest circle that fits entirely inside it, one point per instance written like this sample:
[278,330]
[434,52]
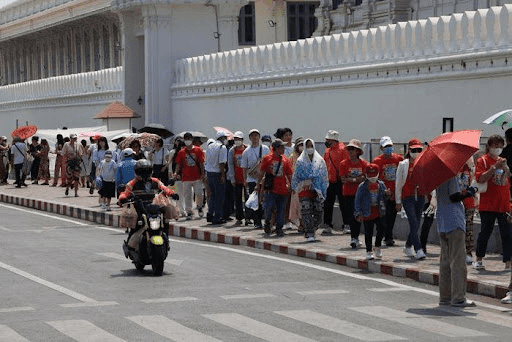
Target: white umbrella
[503,118]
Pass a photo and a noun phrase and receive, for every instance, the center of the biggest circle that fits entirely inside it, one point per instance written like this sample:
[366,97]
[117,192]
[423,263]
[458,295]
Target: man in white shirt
[215,167]
[19,153]
[251,159]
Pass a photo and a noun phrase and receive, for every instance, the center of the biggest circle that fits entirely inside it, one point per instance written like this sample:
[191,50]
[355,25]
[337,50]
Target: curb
[109,219]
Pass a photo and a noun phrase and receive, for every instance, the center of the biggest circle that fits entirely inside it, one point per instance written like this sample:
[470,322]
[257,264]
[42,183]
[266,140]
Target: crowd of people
[296,186]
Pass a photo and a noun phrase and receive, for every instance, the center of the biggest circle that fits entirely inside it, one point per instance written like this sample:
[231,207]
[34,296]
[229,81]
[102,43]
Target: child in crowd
[370,208]
[107,170]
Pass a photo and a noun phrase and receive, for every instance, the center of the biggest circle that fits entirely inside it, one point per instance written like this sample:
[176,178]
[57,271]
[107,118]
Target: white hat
[254,130]
[127,152]
[72,136]
[238,134]
[385,141]
[3,137]
[332,135]
[220,134]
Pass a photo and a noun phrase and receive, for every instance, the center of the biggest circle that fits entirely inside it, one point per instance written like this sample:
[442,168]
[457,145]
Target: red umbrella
[24,132]
[443,158]
[225,130]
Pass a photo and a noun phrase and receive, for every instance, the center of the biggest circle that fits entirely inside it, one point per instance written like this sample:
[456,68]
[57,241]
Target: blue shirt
[125,171]
[450,215]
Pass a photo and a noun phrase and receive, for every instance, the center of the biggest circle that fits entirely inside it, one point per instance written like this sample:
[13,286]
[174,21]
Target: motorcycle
[151,231]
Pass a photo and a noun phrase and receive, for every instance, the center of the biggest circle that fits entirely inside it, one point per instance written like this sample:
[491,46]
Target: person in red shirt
[352,172]
[236,175]
[388,163]
[279,167]
[334,154]
[190,170]
[495,202]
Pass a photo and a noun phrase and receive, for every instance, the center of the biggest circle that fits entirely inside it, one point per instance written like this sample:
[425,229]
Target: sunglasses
[416,150]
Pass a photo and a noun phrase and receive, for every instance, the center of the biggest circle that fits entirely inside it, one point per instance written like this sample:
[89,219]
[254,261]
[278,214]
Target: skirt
[108,189]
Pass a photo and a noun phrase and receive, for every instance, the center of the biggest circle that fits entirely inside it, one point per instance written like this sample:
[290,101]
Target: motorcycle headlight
[154,223]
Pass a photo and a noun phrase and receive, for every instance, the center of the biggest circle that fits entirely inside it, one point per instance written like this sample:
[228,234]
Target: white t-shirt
[159,157]
[251,156]
[216,154]
[19,152]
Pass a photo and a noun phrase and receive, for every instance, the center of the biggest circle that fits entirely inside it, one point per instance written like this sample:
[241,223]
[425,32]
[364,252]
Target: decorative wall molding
[85,88]
[470,44]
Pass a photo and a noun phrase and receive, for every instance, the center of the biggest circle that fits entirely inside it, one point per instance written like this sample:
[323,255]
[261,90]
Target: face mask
[224,142]
[495,151]
[327,144]
[300,148]
[373,179]
[238,143]
[310,150]
[414,155]
[266,143]
[188,142]
[388,150]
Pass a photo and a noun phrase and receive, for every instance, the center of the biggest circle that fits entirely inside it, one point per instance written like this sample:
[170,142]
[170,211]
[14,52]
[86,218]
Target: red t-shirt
[239,171]
[408,189]
[465,182]
[387,170]
[353,170]
[333,156]
[497,197]
[269,165]
[374,195]
[189,161]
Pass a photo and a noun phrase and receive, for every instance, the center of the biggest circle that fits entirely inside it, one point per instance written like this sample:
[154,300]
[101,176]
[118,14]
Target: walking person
[236,176]
[107,170]
[388,163]
[19,157]
[3,165]
[352,172]
[495,202]
[93,147]
[216,159]
[160,159]
[277,170]
[191,172]
[34,150]
[466,177]
[295,210]
[508,297]
[86,164]
[407,196]
[310,182]
[44,165]
[451,226]
[72,151]
[334,154]
[173,154]
[60,165]
[370,209]
[251,164]
[97,156]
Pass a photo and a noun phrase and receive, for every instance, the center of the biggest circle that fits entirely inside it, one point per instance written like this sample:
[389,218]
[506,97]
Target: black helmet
[143,169]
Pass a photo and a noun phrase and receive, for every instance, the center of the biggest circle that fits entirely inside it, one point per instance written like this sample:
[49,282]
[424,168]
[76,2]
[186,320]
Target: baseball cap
[73,136]
[372,170]
[355,143]
[415,143]
[96,137]
[254,130]
[332,135]
[220,134]
[238,134]
[277,143]
[127,152]
[266,137]
[108,154]
[3,137]
[385,141]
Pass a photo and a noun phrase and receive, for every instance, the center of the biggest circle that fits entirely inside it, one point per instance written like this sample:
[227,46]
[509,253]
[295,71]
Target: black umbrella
[195,134]
[157,129]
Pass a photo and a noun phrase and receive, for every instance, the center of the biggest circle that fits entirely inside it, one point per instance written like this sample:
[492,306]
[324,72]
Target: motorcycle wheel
[158,267]
[139,266]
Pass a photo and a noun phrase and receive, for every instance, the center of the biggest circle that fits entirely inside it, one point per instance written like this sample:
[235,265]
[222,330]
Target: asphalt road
[65,280]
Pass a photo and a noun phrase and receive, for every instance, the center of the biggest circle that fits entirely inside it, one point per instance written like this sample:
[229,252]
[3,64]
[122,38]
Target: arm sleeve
[358,200]
[231,164]
[480,168]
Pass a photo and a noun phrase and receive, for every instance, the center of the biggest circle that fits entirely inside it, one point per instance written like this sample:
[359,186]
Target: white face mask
[224,142]
[266,143]
[188,142]
[495,151]
[238,143]
[415,155]
[300,148]
[373,179]
[310,150]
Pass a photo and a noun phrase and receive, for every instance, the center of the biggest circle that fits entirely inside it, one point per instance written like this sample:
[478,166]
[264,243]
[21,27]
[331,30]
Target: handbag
[253,201]
[481,186]
[255,169]
[98,182]
[128,216]
[268,183]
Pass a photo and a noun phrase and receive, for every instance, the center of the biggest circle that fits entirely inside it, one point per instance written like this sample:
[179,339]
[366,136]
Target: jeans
[333,192]
[311,213]
[255,215]
[20,175]
[452,267]
[368,232]
[413,209]
[277,202]
[198,191]
[229,200]
[355,226]
[488,218]
[240,197]
[217,193]
[390,220]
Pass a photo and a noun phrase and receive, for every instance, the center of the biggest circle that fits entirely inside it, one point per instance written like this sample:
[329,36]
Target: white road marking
[45,215]
[23,308]
[168,300]
[83,331]
[481,315]
[248,296]
[254,328]
[9,335]
[418,322]
[322,292]
[388,289]
[170,329]
[88,304]
[339,326]
[122,257]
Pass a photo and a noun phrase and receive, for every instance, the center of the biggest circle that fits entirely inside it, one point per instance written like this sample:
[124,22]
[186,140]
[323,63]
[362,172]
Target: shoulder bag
[269,177]
[481,186]
[255,169]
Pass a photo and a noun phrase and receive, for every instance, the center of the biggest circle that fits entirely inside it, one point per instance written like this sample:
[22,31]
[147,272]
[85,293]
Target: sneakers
[478,265]
[327,231]
[279,233]
[377,253]
[465,304]
[311,239]
[507,299]
[288,225]
[238,222]
[189,216]
[200,212]
[469,259]
[248,222]
[369,256]
[345,229]
[420,255]
[390,243]
[354,243]
[408,252]
[103,206]
[107,207]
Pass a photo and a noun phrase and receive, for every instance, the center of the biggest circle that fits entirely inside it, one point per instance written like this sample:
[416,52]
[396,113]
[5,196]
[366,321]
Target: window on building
[247,26]
[301,20]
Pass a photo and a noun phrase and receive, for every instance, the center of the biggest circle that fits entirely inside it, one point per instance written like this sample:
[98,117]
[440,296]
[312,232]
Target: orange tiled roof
[116,110]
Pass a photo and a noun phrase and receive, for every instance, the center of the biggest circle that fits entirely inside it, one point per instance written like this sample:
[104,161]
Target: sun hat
[372,170]
[238,134]
[332,135]
[385,141]
[355,143]
[299,140]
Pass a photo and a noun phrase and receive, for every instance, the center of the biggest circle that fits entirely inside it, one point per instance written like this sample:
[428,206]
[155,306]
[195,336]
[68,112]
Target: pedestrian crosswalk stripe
[9,335]
[82,331]
[321,292]
[170,329]
[22,308]
[478,314]
[248,296]
[339,326]
[418,322]
[252,327]
[168,300]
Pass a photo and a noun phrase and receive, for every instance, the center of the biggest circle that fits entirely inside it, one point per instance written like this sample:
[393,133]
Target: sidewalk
[492,282]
